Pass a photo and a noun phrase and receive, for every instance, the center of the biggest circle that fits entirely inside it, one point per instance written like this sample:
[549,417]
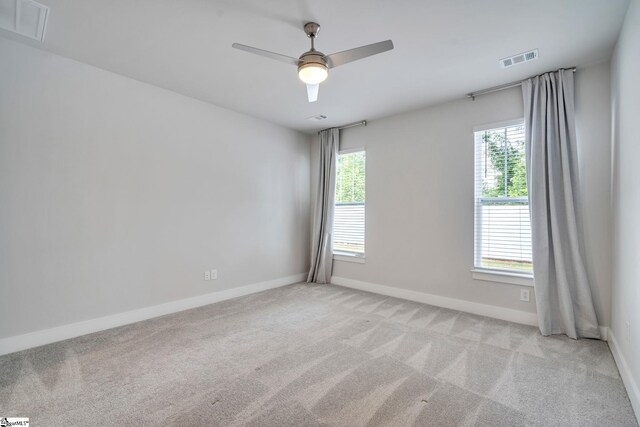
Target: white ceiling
[443,49]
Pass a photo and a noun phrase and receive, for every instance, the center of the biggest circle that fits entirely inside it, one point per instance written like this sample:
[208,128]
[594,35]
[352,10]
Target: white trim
[357,258]
[352,150]
[627,377]
[480,309]
[498,125]
[502,277]
[496,312]
[59,333]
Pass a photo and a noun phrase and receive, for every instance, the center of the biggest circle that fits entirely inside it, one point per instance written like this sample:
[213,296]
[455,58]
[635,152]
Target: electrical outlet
[628,331]
[207,275]
[524,295]
[214,274]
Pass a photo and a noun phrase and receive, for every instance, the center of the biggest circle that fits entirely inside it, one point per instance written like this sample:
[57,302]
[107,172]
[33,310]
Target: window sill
[345,256]
[521,279]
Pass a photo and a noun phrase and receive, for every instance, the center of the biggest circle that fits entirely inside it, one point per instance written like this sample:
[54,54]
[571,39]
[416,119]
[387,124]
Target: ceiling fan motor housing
[312,67]
[313,64]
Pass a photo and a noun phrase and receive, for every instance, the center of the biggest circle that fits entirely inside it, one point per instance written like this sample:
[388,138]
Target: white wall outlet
[524,295]
[207,275]
[214,274]
[627,331]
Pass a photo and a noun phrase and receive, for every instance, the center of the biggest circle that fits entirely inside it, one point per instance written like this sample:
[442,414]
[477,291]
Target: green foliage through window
[504,173]
[350,178]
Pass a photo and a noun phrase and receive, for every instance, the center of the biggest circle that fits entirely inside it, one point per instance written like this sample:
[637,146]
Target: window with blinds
[502,223]
[348,221]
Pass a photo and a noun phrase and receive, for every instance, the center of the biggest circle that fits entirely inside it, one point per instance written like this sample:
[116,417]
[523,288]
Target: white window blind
[348,224]
[502,223]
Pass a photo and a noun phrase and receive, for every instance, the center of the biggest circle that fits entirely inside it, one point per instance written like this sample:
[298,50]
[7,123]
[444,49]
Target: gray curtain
[321,233]
[563,295]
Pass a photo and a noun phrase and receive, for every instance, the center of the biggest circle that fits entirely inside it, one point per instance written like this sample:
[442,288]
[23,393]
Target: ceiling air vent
[519,58]
[317,117]
[25,17]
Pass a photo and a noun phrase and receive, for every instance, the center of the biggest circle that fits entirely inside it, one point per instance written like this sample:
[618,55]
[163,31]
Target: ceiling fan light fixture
[313,73]
[313,66]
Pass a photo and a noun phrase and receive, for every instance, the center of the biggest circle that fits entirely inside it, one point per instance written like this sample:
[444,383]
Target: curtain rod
[473,95]
[350,125]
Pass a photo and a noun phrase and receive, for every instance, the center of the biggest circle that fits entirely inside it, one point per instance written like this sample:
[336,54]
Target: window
[502,223]
[348,224]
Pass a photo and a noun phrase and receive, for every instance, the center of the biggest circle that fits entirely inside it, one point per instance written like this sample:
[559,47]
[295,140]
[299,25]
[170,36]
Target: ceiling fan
[313,66]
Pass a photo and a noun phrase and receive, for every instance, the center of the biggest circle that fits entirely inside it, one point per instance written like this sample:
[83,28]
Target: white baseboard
[487,310]
[627,378]
[496,312]
[60,333]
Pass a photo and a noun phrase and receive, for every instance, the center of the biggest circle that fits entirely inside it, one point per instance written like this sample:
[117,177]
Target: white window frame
[352,256]
[493,274]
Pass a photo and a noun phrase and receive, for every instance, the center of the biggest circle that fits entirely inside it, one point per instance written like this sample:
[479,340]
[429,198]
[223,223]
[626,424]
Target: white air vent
[25,17]
[317,117]
[519,58]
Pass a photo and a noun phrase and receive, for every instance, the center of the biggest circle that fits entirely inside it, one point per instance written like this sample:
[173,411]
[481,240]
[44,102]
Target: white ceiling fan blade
[267,54]
[351,55]
[312,92]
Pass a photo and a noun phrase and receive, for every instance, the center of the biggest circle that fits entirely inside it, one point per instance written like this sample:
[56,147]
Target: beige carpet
[307,355]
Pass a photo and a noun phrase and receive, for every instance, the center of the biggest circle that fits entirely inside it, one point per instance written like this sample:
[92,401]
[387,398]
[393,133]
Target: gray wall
[117,195]
[419,218]
[625,86]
